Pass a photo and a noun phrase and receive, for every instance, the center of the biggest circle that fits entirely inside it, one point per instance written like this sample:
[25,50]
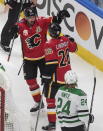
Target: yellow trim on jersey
[60,82]
[50,113]
[33,59]
[48,63]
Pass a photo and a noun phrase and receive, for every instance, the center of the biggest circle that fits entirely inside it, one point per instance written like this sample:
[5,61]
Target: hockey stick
[39,109]
[11,48]
[20,68]
[14,34]
[41,104]
[91,107]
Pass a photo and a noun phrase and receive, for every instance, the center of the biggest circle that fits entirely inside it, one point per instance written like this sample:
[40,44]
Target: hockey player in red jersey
[33,31]
[57,63]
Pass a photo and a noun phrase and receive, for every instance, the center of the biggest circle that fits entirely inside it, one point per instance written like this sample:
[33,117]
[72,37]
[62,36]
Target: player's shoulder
[74,91]
[80,92]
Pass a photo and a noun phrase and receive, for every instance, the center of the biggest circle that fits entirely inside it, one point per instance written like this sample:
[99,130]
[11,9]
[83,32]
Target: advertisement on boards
[84,25]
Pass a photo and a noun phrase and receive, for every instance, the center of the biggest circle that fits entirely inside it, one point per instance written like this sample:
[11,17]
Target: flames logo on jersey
[32,42]
[48,51]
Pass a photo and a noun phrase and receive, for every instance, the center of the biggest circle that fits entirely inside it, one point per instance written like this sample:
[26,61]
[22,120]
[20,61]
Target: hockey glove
[60,16]
[34,9]
[70,38]
[63,13]
[91,118]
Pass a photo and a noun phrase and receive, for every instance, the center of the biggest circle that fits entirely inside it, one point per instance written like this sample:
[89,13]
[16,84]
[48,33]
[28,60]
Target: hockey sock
[51,109]
[35,89]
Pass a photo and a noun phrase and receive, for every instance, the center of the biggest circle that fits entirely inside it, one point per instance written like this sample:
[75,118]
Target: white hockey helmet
[70,77]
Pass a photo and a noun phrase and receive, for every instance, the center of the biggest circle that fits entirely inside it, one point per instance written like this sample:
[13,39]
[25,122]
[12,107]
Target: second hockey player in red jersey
[57,64]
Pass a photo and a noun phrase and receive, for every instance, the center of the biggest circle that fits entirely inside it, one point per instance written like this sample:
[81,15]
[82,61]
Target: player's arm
[83,111]
[72,44]
[60,16]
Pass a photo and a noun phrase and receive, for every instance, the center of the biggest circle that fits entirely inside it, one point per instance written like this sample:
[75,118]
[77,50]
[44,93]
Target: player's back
[57,51]
[61,50]
[69,102]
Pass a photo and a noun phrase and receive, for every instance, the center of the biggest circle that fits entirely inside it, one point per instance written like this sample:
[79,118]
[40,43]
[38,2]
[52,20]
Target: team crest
[48,51]
[31,43]
[25,32]
[38,29]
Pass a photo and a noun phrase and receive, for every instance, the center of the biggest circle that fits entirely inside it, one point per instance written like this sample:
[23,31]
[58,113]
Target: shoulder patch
[48,51]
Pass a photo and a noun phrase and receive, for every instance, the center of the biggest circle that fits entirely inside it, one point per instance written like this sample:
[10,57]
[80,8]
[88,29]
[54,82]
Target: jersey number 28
[64,57]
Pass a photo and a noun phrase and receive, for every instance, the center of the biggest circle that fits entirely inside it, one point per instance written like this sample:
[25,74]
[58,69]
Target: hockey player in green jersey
[72,109]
